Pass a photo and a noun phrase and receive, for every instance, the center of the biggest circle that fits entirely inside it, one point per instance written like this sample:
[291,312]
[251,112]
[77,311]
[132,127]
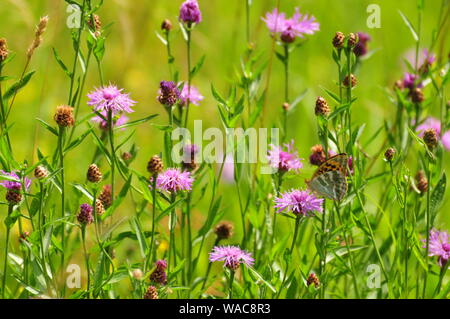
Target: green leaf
[18,85]
[61,63]
[136,226]
[50,128]
[437,196]
[409,25]
[261,279]
[136,122]
[78,141]
[198,66]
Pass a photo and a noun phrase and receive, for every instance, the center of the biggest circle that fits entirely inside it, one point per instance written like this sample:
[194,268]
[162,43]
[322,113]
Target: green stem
[208,270]
[231,284]
[5,265]
[188,102]
[61,158]
[86,256]
[428,221]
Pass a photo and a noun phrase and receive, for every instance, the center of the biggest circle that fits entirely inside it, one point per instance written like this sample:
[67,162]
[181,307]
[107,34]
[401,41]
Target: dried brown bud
[155,165]
[352,39]
[318,156]
[190,166]
[430,138]
[93,174]
[40,172]
[224,230]
[399,85]
[338,40]
[13,197]
[166,25]
[106,196]
[285,106]
[99,208]
[417,95]
[40,29]
[138,274]
[421,182]
[353,81]
[389,154]
[3,50]
[151,293]
[322,107]
[64,116]
[127,156]
[96,25]
[313,279]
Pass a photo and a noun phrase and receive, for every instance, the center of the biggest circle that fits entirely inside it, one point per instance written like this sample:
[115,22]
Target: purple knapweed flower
[85,216]
[284,160]
[159,275]
[169,94]
[110,98]
[446,140]
[360,48]
[192,94]
[190,12]
[15,184]
[439,245]
[409,81]
[429,123]
[118,120]
[299,202]
[189,152]
[173,180]
[232,256]
[290,29]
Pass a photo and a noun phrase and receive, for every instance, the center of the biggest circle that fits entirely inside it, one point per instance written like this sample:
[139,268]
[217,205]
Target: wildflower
[446,140]
[155,165]
[428,59]
[127,156]
[106,196]
[94,175]
[409,81]
[352,40]
[117,119]
[99,208]
[439,245]
[168,93]
[192,95]
[313,279]
[318,155]
[430,138]
[173,180]
[429,123]
[322,107]
[40,172]
[166,25]
[299,202]
[189,152]
[40,29]
[421,182]
[290,29]
[85,216]
[285,106]
[96,25]
[64,116]
[14,187]
[3,49]
[351,82]
[360,48]
[190,12]
[338,40]
[151,293]
[232,256]
[159,275]
[284,160]
[389,154]
[224,230]
[110,99]
[417,95]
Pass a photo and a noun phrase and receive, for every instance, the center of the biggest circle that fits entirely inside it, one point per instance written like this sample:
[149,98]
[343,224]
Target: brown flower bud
[40,172]
[151,293]
[389,154]
[137,274]
[353,81]
[93,174]
[13,197]
[40,29]
[3,49]
[322,107]
[127,156]
[338,40]
[106,196]
[430,138]
[313,279]
[352,39]
[224,230]
[99,208]
[417,95]
[166,25]
[285,106]
[318,156]
[399,85]
[64,116]
[421,182]
[155,165]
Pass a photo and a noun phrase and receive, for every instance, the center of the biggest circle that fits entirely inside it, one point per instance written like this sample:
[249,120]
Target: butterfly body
[330,179]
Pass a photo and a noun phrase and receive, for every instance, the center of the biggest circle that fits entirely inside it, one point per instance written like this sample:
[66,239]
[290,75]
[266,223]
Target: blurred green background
[136,60]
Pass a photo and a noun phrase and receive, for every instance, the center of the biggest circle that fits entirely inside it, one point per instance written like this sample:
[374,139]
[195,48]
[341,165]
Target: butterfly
[330,180]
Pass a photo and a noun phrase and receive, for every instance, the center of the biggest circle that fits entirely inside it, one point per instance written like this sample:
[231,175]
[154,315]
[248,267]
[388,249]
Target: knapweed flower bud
[40,29]
[322,107]
[169,94]
[352,81]
[138,274]
[190,166]
[99,208]
[389,154]
[360,48]
[285,106]
[417,95]
[64,116]
[338,40]
[85,216]
[313,279]
[93,174]
[40,172]
[430,138]
[352,39]
[166,25]
[190,12]
[288,35]
[3,49]
[127,156]
[399,85]
[224,230]
[421,182]
[151,293]
[106,196]
[96,25]
[159,275]
[13,196]
[318,156]
[155,165]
